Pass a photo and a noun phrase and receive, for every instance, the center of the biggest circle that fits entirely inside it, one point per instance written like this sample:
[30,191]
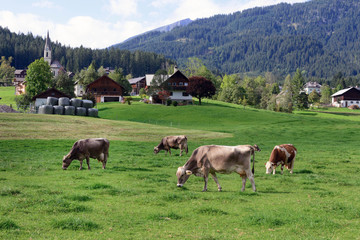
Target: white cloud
[123,8]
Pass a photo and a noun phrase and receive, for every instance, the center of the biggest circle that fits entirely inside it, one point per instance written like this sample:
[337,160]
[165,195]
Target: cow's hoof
[204,190]
[219,189]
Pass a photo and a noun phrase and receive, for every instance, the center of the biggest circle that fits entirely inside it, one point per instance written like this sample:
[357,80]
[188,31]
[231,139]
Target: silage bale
[69,110]
[92,112]
[76,102]
[51,101]
[59,110]
[46,109]
[87,104]
[64,101]
[80,111]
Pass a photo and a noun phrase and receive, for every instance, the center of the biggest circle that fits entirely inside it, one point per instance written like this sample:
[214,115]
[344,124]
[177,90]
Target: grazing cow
[222,159]
[97,148]
[175,142]
[281,154]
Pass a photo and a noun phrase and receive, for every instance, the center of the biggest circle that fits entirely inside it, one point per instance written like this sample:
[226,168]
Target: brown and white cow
[281,155]
[97,148]
[222,159]
[174,142]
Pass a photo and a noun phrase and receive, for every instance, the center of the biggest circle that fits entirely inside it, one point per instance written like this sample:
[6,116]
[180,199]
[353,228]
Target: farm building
[137,84]
[177,84]
[19,81]
[311,86]
[106,90]
[346,97]
[41,98]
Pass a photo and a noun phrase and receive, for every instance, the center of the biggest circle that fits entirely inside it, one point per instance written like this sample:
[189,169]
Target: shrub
[168,102]
[175,103]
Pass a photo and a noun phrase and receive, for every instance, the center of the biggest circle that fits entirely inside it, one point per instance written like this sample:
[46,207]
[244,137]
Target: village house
[137,84]
[346,97]
[106,90]
[311,86]
[177,84]
[19,81]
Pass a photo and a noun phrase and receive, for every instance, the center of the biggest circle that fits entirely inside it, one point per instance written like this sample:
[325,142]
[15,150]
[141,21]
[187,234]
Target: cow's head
[156,150]
[66,161]
[182,176]
[256,148]
[269,167]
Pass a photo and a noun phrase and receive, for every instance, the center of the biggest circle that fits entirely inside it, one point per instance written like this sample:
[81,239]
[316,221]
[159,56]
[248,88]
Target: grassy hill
[136,196]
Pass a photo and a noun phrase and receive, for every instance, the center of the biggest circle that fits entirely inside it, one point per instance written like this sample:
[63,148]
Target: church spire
[47,49]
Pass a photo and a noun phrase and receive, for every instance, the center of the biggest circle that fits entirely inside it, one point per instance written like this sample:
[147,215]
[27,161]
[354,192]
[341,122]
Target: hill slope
[318,36]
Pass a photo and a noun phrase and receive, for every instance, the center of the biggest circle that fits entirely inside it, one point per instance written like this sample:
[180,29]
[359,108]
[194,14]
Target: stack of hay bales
[65,106]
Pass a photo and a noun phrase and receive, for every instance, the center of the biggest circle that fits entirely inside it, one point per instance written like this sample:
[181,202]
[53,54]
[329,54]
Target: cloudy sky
[102,23]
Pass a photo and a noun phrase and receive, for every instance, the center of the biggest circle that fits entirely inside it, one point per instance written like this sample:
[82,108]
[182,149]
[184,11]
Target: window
[181,83]
[169,84]
[185,94]
[185,84]
[174,83]
[94,89]
[171,93]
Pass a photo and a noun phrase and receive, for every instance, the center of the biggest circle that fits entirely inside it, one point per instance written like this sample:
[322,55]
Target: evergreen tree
[297,86]
[325,94]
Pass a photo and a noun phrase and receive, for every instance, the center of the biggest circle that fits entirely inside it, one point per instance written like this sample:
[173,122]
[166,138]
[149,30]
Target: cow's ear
[188,172]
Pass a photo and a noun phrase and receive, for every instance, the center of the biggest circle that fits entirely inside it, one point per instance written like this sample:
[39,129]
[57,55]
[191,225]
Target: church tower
[47,50]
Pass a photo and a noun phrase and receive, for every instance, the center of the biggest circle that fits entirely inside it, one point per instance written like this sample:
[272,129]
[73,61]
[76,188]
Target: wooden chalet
[137,84]
[106,90]
[177,85]
[346,97]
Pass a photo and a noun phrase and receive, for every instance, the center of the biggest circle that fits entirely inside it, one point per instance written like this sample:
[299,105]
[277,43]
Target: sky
[99,24]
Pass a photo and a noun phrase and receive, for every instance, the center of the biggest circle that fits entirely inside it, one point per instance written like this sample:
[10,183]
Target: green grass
[7,95]
[136,196]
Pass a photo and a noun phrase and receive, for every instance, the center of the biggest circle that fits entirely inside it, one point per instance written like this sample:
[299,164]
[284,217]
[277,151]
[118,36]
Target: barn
[106,90]
[346,97]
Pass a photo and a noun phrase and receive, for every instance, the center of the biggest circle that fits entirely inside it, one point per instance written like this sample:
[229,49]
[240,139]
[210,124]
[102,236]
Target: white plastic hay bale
[87,104]
[80,111]
[76,102]
[59,110]
[69,110]
[92,112]
[51,101]
[46,109]
[64,101]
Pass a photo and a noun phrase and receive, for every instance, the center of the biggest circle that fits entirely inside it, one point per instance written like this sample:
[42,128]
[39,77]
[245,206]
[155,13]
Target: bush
[175,103]
[128,100]
[168,102]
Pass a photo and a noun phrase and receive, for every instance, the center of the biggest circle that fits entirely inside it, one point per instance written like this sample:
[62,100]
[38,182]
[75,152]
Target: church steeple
[47,49]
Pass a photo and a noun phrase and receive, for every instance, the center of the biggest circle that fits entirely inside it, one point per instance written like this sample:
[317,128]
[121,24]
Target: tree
[64,83]
[297,85]
[314,97]
[285,98]
[325,91]
[119,77]
[157,82]
[7,72]
[38,78]
[200,87]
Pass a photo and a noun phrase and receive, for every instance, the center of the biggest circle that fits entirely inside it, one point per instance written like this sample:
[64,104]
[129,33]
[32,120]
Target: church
[54,65]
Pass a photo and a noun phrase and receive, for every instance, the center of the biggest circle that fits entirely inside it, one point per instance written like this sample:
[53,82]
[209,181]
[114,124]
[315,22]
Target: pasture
[136,196]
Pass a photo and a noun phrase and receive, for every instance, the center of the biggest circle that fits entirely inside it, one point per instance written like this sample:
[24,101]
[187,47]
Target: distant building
[311,86]
[41,98]
[106,90]
[137,84]
[346,97]
[19,81]
[177,85]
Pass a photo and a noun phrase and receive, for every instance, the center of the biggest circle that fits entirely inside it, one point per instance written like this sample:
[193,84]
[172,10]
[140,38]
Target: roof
[20,71]
[47,41]
[177,74]
[51,92]
[105,77]
[341,92]
[312,85]
[136,80]
[56,64]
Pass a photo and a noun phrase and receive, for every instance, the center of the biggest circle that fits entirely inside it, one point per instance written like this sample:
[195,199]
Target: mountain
[318,36]
[166,28]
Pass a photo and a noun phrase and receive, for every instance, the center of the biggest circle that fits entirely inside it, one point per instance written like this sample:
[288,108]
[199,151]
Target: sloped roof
[341,92]
[51,92]
[105,77]
[135,80]
[312,85]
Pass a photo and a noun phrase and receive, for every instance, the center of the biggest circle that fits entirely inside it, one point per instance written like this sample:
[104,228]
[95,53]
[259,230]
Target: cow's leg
[243,182]
[216,180]
[206,178]
[80,164]
[274,170]
[181,150]
[282,169]
[291,166]
[251,178]
[88,162]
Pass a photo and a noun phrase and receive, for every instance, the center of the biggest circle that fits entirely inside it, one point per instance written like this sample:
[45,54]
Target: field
[136,196]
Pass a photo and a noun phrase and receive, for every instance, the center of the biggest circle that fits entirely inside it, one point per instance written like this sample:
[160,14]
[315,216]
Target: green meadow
[136,196]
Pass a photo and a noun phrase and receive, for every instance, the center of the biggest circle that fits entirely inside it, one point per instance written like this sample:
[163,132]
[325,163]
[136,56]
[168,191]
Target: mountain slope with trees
[26,48]
[319,36]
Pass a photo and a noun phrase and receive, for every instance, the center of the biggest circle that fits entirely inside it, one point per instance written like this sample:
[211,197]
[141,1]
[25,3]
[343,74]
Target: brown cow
[281,154]
[222,159]
[97,148]
[174,142]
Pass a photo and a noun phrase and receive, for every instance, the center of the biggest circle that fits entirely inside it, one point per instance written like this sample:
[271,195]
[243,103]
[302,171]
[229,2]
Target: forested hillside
[25,48]
[319,36]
